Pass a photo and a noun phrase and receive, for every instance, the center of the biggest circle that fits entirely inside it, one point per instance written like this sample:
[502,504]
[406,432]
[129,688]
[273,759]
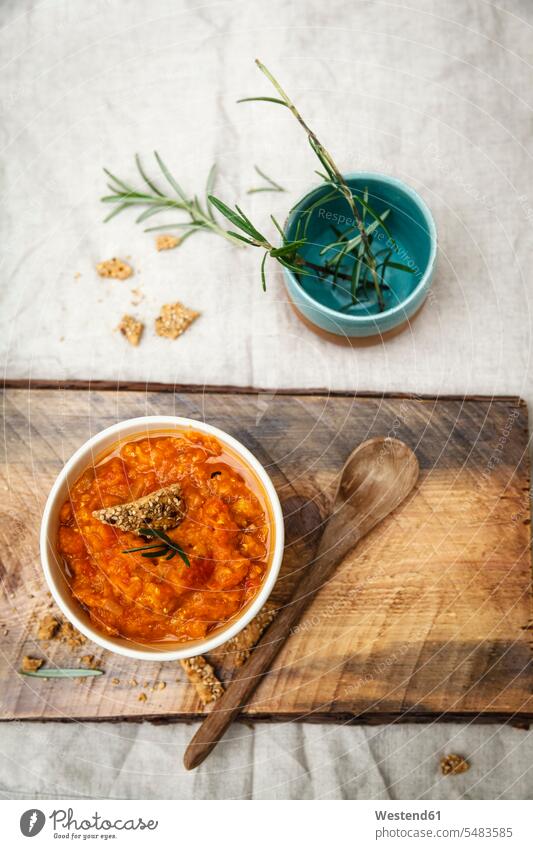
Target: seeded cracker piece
[31,664]
[174,320]
[166,242]
[453,765]
[202,675]
[69,635]
[237,650]
[89,661]
[48,627]
[131,329]
[116,268]
[161,510]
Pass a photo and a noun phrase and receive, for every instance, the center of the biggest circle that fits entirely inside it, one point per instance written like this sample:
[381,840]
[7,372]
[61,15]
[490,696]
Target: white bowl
[93,451]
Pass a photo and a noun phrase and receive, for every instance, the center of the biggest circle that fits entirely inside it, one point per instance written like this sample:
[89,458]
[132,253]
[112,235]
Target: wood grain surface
[429,619]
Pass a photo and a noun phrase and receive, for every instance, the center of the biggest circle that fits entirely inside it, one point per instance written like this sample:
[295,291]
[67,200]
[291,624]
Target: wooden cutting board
[427,620]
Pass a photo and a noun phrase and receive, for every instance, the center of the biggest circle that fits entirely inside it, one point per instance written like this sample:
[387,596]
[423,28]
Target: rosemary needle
[62,673]
[271,187]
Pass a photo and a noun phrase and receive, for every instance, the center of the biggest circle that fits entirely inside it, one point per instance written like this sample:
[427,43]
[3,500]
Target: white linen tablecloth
[437,93]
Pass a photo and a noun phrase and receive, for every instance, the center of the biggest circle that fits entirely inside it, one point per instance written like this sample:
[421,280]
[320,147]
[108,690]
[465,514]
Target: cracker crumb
[202,675]
[133,682]
[116,268]
[77,275]
[69,635]
[142,697]
[89,661]
[238,649]
[161,510]
[131,328]
[115,682]
[48,627]
[453,765]
[31,664]
[166,242]
[159,685]
[138,296]
[174,319]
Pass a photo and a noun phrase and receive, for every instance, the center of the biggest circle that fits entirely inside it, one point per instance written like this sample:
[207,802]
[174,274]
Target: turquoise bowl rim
[430,267]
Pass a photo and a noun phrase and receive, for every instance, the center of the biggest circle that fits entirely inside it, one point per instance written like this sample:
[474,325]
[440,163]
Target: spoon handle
[335,543]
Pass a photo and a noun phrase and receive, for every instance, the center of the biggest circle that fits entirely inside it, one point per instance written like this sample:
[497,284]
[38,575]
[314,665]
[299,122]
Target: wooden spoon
[376,478]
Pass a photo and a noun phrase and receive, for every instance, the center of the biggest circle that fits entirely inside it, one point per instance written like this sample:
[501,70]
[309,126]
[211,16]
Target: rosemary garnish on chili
[162,546]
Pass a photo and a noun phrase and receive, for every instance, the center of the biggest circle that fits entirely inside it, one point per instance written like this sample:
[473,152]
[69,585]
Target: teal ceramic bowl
[323,306]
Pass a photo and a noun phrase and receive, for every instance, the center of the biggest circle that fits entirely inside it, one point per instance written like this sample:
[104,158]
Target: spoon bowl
[382,470]
[377,476]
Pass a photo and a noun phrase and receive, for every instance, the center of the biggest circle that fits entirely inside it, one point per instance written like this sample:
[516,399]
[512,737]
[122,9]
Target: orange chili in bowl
[225,535]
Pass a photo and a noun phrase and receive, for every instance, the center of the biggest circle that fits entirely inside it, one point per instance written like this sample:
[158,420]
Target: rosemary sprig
[62,673]
[332,177]
[163,546]
[156,199]
[355,245]
[272,185]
